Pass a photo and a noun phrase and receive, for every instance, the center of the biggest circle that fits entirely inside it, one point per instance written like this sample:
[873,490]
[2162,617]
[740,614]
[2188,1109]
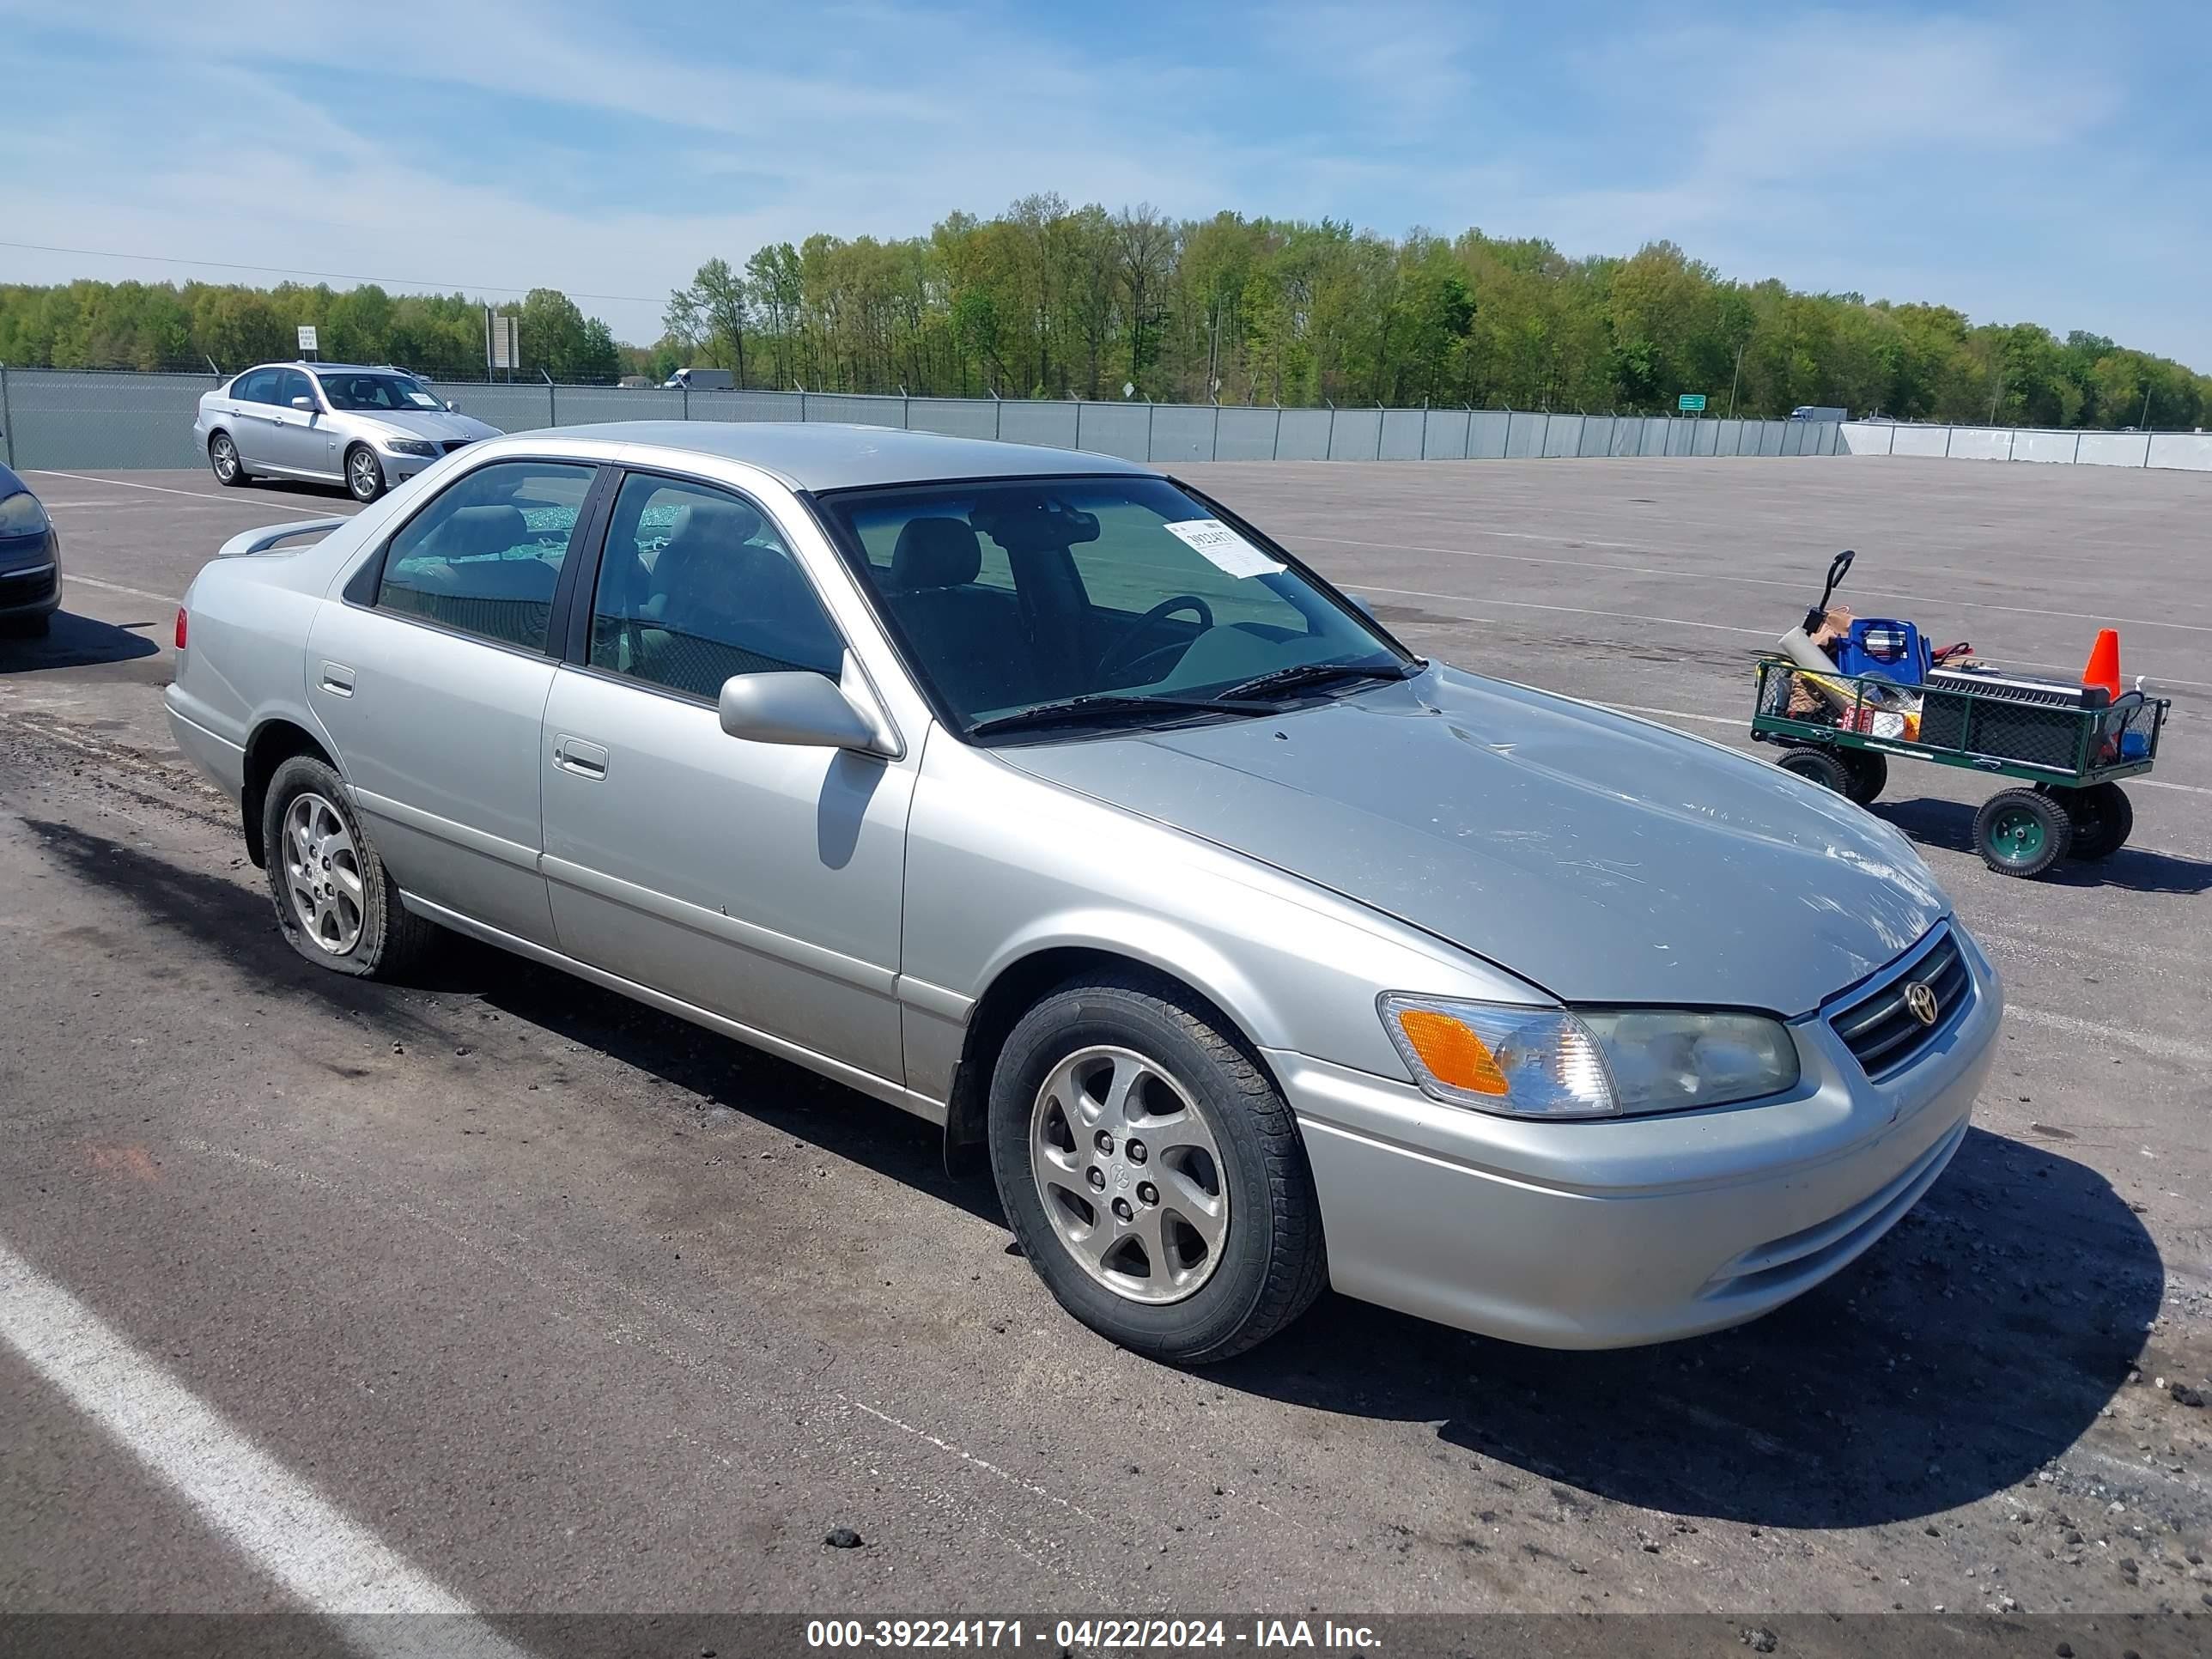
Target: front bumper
[30,575]
[1614,1232]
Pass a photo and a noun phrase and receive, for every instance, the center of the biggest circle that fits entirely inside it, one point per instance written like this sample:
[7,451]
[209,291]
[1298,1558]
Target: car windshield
[371,393]
[1036,603]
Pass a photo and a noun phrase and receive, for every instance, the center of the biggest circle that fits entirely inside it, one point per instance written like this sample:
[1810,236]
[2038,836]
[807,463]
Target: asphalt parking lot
[565,1306]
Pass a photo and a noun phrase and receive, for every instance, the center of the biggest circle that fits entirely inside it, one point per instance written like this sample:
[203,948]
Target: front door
[434,682]
[298,439]
[758,881]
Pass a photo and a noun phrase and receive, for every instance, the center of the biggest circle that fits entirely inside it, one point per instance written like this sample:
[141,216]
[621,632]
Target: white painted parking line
[2098,1034]
[1680,715]
[1569,610]
[330,1562]
[1696,576]
[125,483]
[117,587]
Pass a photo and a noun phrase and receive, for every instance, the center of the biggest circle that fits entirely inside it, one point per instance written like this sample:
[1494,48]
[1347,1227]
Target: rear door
[253,417]
[759,881]
[431,674]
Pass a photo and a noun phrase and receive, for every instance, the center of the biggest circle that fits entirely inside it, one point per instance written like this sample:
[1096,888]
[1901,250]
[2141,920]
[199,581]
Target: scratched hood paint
[1602,858]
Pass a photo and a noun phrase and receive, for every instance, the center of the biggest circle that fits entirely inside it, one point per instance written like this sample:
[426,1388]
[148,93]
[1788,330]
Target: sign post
[307,347]
[1691,403]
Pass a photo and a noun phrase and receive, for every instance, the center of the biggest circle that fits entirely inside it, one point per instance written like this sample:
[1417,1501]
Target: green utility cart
[1841,731]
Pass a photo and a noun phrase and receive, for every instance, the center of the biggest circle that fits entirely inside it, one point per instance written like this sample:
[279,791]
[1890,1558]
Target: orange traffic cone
[2104,667]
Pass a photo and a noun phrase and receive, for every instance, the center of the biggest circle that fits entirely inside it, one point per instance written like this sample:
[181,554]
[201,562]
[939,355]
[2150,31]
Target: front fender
[1002,866]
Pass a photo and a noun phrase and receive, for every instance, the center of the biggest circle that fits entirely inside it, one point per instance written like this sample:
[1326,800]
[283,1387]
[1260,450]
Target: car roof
[827,455]
[327,368]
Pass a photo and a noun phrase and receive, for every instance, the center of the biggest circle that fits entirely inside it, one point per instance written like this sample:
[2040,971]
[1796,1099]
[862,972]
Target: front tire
[1869,773]
[2022,832]
[1817,765]
[364,474]
[336,904]
[229,465]
[1152,1174]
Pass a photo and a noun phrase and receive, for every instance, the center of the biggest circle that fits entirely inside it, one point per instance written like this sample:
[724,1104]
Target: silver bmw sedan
[1039,795]
[366,428]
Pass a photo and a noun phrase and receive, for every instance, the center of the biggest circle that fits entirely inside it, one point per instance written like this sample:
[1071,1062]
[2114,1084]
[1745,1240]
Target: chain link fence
[63,420]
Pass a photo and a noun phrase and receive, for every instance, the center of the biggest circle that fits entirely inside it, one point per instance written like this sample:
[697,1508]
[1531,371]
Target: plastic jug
[1880,649]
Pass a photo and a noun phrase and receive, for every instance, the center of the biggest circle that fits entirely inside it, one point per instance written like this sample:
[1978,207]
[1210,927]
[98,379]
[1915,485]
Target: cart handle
[1837,569]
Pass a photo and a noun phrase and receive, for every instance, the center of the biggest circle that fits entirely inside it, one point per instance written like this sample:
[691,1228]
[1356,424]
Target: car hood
[1604,859]
[439,424]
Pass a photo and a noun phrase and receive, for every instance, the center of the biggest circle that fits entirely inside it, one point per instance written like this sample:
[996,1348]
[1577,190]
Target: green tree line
[150,325]
[1047,300]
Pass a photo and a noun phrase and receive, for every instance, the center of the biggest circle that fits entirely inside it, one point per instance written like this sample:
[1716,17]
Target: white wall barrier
[2184,451]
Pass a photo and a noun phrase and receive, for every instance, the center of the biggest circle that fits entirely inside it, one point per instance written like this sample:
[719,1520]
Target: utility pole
[1737,381]
[1994,395]
[2145,421]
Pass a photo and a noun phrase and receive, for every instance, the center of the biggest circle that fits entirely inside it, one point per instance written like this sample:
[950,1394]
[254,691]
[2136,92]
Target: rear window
[484,557]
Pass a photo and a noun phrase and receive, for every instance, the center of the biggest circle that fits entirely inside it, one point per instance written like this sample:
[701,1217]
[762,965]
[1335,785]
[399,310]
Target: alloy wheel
[1130,1174]
[323,875]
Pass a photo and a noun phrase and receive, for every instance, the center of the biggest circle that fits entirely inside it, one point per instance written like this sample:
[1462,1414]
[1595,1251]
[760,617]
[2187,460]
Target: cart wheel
[1819,766]
[2022,832]
[2102,816]
[1870,774]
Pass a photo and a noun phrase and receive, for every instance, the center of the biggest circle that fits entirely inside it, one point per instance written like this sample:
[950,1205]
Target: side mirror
[810,711]
[304,402]
[1359,603]
[450,406]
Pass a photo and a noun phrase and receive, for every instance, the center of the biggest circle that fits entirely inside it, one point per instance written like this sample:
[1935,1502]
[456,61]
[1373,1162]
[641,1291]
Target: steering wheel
[1122,653]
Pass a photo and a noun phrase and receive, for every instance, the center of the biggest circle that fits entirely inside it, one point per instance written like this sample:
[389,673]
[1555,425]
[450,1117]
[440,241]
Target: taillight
[180,627]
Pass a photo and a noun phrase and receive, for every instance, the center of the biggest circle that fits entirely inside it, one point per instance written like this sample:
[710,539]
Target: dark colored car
[30,560]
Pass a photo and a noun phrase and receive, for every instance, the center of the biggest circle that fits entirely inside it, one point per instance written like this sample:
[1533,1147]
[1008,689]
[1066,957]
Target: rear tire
[2022,832]
[2102,819]
[1868,773]
[364,474]
[229,465]
[1817,765]
[336,903]
[1225,1151]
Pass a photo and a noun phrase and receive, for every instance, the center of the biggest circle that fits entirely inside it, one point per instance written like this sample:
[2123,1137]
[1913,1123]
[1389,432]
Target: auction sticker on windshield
[1222,547]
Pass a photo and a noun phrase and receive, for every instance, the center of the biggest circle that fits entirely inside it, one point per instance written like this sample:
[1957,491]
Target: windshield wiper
[1299,675]
[1074,711]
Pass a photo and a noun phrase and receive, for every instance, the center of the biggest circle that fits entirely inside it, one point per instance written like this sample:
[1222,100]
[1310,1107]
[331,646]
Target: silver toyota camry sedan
[1040,796]
[366,428]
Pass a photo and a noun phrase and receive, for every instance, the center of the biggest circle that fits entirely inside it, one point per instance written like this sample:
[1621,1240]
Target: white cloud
[1992,162]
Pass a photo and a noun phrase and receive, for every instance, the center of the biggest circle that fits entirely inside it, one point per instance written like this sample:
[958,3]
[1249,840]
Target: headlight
[21,515]
[411,445]
[1553,1063]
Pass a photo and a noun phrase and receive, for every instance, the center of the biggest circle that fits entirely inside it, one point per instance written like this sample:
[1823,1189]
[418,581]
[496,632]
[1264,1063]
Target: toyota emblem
[1921,1000]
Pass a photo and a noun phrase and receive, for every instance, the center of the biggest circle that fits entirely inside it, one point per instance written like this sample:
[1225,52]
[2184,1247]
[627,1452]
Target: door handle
[584,760]
[338,679]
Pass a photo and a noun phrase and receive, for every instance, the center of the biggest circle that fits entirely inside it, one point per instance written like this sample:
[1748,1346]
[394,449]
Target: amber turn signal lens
[1453,1053]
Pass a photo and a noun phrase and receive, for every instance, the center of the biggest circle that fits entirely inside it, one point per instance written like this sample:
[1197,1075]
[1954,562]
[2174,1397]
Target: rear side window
[485,555]
[259,387]
[697,587]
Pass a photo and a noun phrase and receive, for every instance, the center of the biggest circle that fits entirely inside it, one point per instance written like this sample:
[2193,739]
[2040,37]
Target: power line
[328,276]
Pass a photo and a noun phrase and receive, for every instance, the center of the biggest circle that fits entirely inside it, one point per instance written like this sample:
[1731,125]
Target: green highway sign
[1691,403]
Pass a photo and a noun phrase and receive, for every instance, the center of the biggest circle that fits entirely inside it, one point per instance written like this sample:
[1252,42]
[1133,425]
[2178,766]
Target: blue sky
[2024,161]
